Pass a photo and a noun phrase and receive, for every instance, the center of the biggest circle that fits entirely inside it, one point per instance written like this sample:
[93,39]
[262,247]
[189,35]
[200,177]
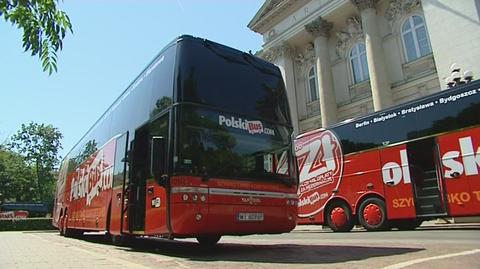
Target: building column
[381,91]
[320,30]
[282,56]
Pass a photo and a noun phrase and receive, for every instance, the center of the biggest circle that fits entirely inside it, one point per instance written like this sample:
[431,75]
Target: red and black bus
[199,145]
[396,167]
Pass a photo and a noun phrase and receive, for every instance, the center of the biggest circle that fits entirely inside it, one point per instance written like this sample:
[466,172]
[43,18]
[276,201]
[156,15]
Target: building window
[415,38]
[358,60]
[312,85]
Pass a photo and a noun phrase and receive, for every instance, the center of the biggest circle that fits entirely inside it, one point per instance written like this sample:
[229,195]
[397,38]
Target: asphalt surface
[447,246]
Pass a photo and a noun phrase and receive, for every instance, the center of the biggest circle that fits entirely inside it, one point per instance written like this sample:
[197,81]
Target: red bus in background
[19,214]
[396,167]
[199,145]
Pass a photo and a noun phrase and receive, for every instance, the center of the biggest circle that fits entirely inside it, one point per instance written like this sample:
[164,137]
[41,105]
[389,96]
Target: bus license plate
[250,217]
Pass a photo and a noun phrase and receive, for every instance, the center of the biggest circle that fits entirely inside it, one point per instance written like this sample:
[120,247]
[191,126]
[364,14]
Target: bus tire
[67,232]
[60,223]
[63,221]
[72,233]
[339,217]
[372,214]
[121,240]
[208,240]
[60,226]
[63,225]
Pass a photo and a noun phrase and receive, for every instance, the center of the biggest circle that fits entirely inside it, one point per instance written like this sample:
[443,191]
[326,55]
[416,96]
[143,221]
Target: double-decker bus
[198,146]
[396,167]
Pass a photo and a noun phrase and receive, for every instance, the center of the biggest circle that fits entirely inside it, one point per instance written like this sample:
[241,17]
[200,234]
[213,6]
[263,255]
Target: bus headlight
[185,197]
[198,217]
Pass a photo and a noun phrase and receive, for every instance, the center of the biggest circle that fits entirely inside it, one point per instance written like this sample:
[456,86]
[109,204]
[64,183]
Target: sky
[113,41]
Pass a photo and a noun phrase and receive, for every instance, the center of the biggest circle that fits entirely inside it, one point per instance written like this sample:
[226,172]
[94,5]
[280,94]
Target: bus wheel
[121,240]
[339,217]
[70,232]
[61,226]
[73,233]
[208,240]
[67,232]
[373,214]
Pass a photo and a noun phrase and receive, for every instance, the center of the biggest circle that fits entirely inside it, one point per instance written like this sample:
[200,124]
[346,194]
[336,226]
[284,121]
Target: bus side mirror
[157,157]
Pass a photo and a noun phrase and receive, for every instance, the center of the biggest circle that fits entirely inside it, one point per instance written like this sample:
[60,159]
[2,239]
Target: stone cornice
[364,4]
[270,10]
[279,34]
[319,27]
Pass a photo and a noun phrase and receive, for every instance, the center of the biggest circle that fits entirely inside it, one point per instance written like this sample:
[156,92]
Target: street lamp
[455,77]
[468,76]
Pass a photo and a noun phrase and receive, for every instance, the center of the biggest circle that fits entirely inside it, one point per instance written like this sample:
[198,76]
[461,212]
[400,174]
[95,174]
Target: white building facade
[345,58]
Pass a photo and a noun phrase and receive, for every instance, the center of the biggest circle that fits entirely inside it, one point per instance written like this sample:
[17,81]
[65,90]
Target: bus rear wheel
[121,240]
[372,214]
[63,225]
[60,227]
[208,240]
[339,217]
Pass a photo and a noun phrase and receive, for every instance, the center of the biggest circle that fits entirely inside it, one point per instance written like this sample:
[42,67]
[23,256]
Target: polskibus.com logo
[252,126]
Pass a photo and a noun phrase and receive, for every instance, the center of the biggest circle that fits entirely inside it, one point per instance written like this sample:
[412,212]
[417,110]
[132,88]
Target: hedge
[29,224]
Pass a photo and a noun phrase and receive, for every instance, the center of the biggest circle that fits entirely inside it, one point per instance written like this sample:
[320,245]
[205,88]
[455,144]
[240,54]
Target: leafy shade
[44,27]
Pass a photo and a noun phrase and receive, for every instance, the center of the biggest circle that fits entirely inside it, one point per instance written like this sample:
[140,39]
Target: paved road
[306,247]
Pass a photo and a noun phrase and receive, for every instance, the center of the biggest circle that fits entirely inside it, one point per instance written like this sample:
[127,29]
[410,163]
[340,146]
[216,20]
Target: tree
[44,27]
[16,178]
[161,104]
[89,148]
[39,145]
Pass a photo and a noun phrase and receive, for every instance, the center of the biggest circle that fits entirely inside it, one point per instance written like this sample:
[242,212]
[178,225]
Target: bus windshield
[214,75]
[232,115]
[217,144]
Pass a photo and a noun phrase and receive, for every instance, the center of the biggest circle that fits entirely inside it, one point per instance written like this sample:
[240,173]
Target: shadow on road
[361,230]
[264,253]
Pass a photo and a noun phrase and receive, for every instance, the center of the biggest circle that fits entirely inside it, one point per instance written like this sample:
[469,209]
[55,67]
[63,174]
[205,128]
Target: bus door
[138,178]
[156,199]
[427,184]
[398,188]
[117,207]
[460,152]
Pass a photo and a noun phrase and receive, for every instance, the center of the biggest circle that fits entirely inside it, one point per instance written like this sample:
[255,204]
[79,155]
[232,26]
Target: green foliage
[30,224]
[44,27]
[89,149]
[162,104]
[16,178]
[39,145]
